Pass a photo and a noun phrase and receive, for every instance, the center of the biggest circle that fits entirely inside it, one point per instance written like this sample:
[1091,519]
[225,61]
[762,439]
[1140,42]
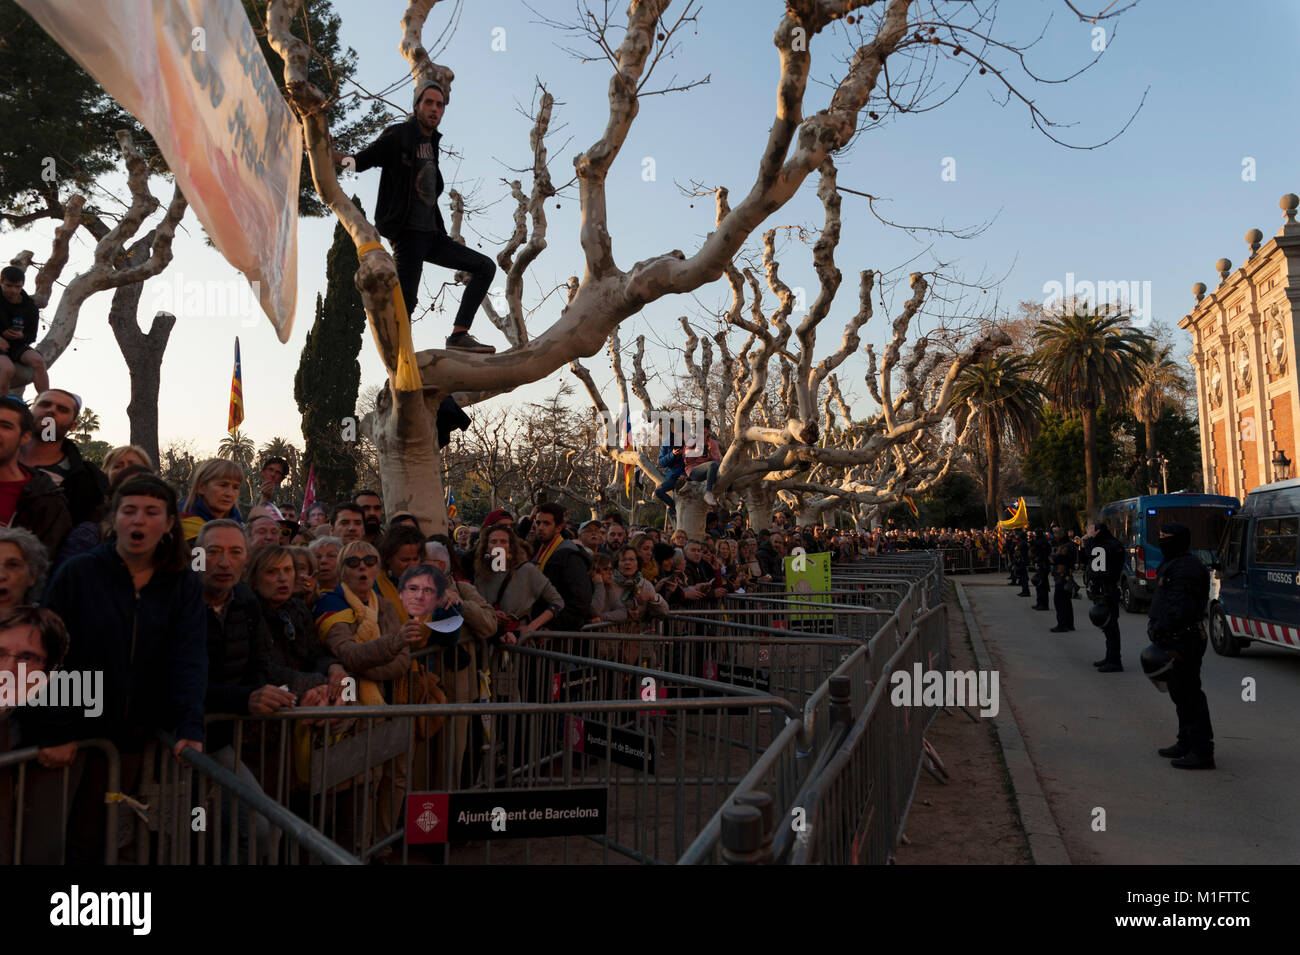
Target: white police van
[1256,592]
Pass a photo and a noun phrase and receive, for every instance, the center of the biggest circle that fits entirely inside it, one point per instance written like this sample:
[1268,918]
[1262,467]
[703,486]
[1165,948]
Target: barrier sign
[809,575]
[507,814]
[567,685]
[621,747]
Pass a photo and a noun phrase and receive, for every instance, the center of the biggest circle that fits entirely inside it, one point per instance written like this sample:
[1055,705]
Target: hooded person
[1175,623]
[407,214]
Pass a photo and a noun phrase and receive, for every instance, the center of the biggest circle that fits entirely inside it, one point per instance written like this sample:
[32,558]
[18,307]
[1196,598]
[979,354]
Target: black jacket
[770,562]
[43,510]
[151,647]
[237,660]
[1064,556]
[84,487]
[297,658]
[1178,603]
[394,153]
[1041,551]
[1112,566]
[26,310]
[569,570]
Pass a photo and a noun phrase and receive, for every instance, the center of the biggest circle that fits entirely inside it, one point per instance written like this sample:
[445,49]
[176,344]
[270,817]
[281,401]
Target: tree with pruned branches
[897,48]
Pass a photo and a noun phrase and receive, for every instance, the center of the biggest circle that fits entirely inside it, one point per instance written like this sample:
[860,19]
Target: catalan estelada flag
[911,505]
[236,393]
[451,502]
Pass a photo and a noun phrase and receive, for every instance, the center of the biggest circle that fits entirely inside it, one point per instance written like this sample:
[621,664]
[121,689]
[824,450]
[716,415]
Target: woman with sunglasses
[360,628]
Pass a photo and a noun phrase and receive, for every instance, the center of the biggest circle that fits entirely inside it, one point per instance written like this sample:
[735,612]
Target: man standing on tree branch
[406,211]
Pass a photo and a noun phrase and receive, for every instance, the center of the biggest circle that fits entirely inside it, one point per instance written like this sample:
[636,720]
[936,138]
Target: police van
[1136,522]
[1257,573]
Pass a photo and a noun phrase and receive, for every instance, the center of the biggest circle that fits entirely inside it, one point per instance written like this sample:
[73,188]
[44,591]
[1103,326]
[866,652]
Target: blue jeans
[670,482]
[706,474]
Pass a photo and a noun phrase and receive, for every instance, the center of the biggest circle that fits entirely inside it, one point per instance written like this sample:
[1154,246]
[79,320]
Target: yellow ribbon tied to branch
[408,374]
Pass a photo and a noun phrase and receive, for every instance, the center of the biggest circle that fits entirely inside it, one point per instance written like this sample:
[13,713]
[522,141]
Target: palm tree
[1160,378]
[86,426]
[239,448]
[1088,357]
[1003,392]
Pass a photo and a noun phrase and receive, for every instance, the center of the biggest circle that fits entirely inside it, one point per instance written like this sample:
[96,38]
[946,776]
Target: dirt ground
[970,820]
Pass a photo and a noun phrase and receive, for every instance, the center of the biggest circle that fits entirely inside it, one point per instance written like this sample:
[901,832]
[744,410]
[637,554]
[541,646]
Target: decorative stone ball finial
[1288,204]
[1253,239]
[1224,268]
[1199,290]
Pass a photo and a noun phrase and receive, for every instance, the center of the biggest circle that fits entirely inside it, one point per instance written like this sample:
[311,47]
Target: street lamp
[1281,465]
[1164,473]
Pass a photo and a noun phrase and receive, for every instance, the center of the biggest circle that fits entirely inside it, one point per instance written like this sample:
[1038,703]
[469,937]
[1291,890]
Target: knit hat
[427,85]
[500,514]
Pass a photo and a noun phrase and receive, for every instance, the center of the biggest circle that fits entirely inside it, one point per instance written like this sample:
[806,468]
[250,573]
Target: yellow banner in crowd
[192,73]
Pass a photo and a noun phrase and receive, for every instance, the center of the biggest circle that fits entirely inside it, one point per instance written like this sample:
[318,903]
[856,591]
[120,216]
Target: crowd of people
[191,608]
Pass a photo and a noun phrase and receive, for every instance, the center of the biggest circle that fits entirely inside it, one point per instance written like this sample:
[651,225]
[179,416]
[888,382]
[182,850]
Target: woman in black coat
[134,611]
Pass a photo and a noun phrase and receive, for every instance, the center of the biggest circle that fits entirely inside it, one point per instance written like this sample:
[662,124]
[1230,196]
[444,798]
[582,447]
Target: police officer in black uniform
[1020,554]
[1102,569]
[1176,623]
[1064,556]
[1041,551]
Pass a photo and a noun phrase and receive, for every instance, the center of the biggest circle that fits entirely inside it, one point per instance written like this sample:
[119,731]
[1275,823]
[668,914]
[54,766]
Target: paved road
[1093,740]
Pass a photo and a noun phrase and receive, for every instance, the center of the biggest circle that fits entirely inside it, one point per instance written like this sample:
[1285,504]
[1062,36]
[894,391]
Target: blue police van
[1136,522]
[1256,592]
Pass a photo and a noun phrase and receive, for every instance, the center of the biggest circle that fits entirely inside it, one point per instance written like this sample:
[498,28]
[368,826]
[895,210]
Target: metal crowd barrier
[857,804]
[962,560]
[36,803]
[860,678]
[188,811]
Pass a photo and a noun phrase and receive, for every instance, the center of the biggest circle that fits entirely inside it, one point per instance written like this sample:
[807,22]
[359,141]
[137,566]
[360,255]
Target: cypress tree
[329,374]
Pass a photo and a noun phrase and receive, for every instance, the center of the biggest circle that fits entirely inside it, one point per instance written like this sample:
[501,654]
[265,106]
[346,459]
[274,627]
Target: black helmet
[1099,614]
[1156,664]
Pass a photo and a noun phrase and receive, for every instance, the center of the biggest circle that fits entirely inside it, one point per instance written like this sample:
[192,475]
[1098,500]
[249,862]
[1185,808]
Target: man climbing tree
[406,212]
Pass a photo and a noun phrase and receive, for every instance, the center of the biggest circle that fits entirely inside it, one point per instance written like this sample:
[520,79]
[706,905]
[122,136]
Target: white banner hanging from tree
[193,74]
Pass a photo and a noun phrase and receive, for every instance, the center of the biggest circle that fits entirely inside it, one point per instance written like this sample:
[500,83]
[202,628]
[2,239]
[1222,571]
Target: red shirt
[9,491]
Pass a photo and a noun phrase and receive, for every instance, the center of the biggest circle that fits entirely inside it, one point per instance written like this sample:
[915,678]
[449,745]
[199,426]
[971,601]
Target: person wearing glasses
[361,629]
[32,640]
[399,549]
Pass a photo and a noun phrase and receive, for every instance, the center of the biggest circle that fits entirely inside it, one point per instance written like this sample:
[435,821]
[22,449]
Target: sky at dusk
[1206,158]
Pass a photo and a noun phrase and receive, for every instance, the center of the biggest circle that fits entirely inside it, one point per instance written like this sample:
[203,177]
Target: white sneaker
[710,499]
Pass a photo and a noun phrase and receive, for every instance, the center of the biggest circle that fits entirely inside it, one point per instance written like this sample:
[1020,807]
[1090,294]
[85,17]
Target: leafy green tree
[329,374]
[1009,402]
[953,502]
[1055,464]
[64,117]
[1087,357]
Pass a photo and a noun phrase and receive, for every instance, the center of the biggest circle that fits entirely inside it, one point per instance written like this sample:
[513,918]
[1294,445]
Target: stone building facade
[1244,335]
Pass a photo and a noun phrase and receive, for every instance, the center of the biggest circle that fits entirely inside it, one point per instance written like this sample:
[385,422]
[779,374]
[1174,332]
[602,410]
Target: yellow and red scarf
[545,553]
